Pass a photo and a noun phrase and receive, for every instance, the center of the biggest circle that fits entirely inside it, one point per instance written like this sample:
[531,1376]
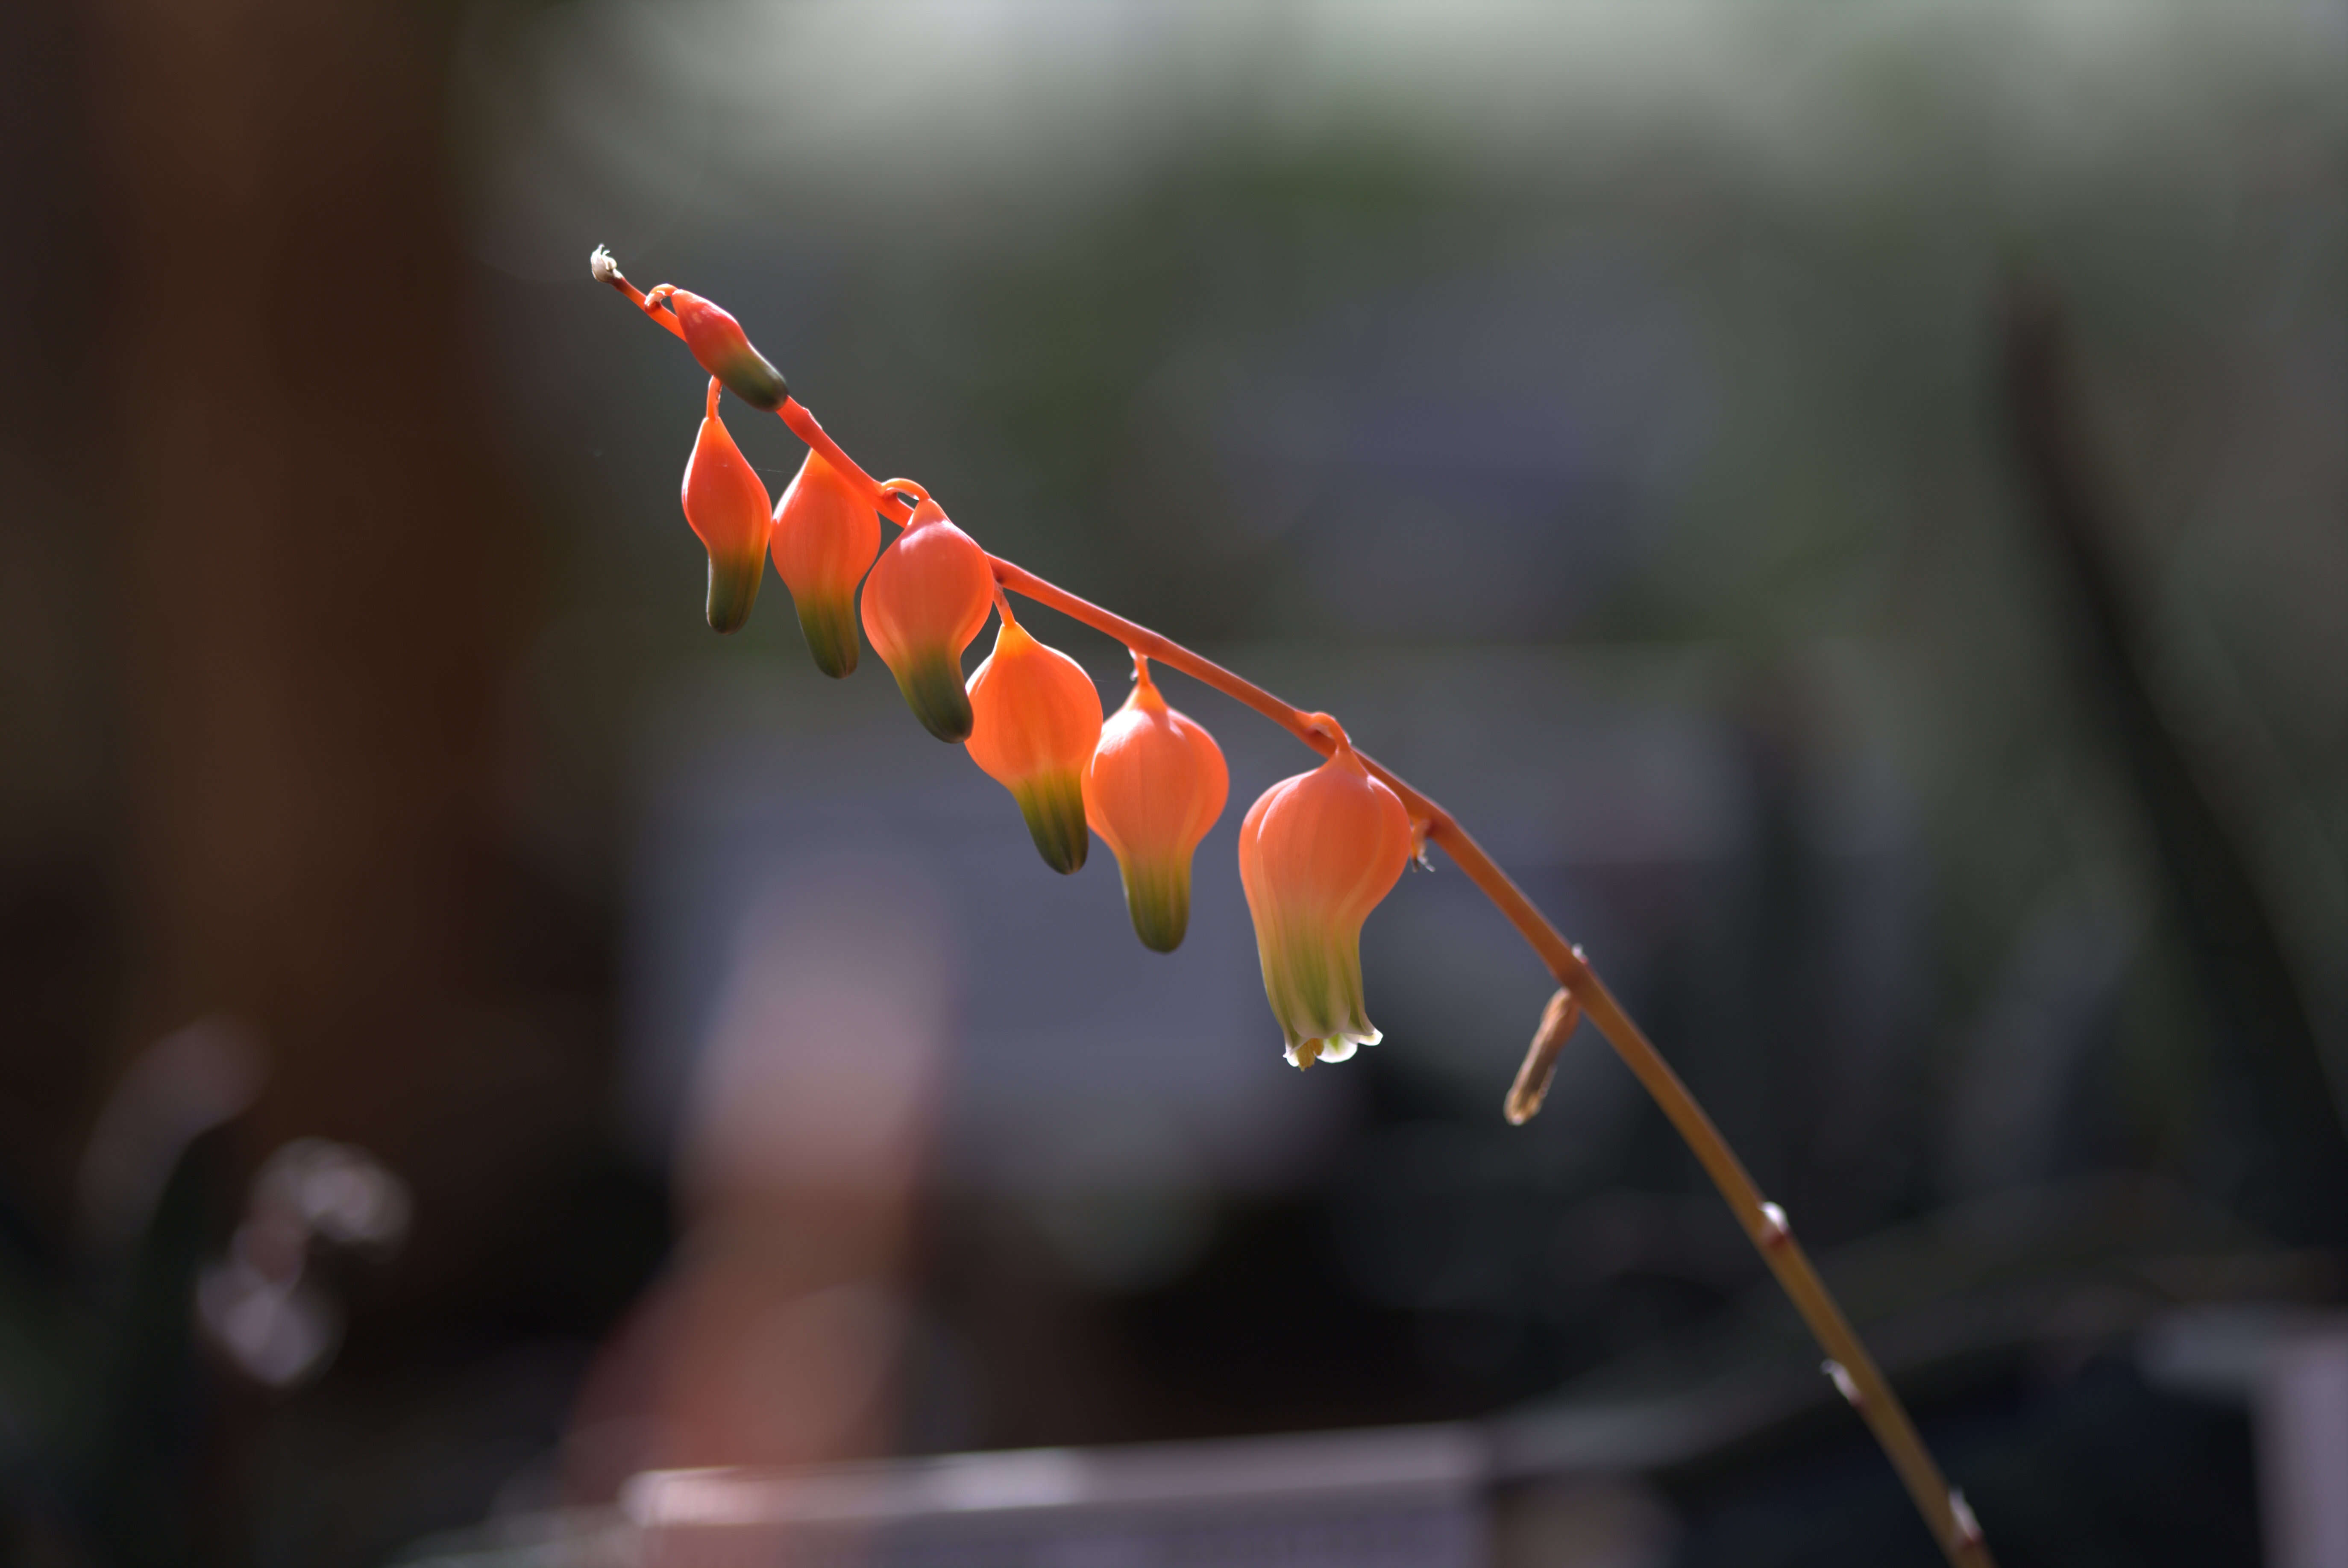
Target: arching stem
[1853,1370]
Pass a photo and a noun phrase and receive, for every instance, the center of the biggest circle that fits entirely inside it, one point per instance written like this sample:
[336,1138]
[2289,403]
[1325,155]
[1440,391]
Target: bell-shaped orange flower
[1155,784]
[727,504]
[1036,717]
[925,599]
[723,349]
[1316,855]
[825,535]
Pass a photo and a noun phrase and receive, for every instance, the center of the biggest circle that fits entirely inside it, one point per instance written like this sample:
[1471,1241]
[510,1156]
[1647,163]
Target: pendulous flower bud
[825,536]
[1155,784]
[924,600]
[726,505]
[1316,855]
[718,341]
[1036,717]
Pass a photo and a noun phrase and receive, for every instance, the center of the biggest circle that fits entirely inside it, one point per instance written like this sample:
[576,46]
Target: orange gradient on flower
[726,502]
[1036,717]
[1316,855]
[924,600]
[825,536]
[722,347]
[1154,786]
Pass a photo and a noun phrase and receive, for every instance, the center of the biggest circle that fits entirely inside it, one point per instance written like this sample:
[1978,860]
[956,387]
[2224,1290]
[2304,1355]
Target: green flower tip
[732,589]
[830,633]
[1159,900]
[1314,981]
[1054,806]
[749,376]
[933,690]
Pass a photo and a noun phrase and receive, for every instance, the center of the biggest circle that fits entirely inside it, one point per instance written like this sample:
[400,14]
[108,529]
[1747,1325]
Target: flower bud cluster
[1317,852]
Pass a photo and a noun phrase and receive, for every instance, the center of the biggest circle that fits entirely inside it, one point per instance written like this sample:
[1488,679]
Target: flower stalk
[1854,1371]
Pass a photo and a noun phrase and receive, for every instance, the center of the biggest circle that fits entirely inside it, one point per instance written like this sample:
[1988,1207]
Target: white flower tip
[603,267]
[1337,1048]
[1775,1232]
[1845,1384]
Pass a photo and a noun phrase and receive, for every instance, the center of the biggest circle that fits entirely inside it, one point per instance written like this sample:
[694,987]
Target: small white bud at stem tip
[1968,1527]
[1775,1232]
[1844,1383]
[600,265]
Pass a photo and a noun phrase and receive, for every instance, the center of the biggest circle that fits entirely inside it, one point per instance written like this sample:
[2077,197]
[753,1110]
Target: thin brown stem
[1854,1371]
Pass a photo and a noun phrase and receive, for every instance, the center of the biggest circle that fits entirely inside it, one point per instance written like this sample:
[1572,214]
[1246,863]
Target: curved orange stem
[1854,1371]
[803,424]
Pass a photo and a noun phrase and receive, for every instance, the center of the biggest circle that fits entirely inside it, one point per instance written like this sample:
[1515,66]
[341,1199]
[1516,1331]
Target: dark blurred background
[1850,504]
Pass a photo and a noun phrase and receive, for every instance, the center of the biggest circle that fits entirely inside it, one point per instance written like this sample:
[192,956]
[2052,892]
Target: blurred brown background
[1852,508]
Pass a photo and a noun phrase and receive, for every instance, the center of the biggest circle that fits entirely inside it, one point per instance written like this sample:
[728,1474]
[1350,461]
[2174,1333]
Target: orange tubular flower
[825,535]
[726,505]
[925,599]
[1316,855]
[1155,784]
[1035,719]
[718,341]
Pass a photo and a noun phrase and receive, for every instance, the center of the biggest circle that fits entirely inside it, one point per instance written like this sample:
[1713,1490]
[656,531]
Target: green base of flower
[933,690]
[732,589]
[1314,982]
[1159,899]
[1054,806]
[830,633]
